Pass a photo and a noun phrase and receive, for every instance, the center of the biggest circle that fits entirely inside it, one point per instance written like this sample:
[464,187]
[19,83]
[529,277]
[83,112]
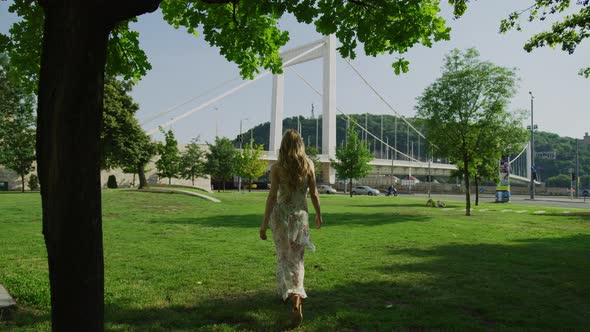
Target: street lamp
[240,139]
[533,169]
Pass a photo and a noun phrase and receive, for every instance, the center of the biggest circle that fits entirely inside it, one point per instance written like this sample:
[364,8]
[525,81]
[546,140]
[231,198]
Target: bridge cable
[352,119]
[223,95]
[387,103]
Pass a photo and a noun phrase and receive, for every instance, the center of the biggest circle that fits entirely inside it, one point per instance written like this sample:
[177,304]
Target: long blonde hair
[293,161]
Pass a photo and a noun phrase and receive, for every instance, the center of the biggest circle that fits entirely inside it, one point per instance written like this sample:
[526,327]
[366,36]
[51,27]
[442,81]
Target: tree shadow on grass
[533,284]
[529,284]
[330,220]
[19,317]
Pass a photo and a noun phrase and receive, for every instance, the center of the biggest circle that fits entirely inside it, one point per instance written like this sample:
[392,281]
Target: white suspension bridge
[395,161]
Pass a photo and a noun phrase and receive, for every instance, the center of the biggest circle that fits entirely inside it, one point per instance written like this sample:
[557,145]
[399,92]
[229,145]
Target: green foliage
[562,180]
[192,161]
[312,153]
[353,158]
[17,124]
[221,160]
[249,163]
[465,113]
[169,163]
[112,182]
[119,123]
[33,182]
[23,43]
[569,32]
[246,32]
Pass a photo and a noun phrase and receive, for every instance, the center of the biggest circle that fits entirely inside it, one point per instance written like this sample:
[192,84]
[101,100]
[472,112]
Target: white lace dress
[289,222]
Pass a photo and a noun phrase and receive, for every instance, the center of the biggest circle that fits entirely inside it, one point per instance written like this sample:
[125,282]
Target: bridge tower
[324,48]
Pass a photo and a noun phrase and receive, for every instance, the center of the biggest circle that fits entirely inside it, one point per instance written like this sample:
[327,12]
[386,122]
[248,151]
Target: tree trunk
[69,117]
[22,180]
[250,187]
[141,175]
[169,180]
[133,180]
[350,186]
[68,132]
[223,181]
[193,179]
[476,190]
[467,190]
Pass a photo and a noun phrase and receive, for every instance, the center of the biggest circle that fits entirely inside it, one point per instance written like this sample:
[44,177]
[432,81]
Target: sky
[185,67]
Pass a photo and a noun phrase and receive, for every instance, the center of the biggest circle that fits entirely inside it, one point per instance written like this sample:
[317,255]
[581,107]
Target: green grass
[176,262]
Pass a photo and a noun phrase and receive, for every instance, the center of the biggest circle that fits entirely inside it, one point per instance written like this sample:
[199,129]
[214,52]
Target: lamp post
[240,139]
[533,168]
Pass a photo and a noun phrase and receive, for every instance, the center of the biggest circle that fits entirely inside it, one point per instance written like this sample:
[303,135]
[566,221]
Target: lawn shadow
[19,316]
[330,219]
[529,284]
[532,284]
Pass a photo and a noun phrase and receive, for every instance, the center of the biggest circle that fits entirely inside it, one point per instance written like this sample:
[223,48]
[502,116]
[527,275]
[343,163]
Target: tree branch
[124,10]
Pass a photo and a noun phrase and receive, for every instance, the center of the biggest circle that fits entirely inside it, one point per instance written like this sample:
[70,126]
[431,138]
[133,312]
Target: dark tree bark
[467,190]
[141,175]
[476,190]
[68,134]
[169,180]
[22,180]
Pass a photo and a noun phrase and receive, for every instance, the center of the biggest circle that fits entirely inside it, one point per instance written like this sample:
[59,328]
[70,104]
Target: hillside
[555,155]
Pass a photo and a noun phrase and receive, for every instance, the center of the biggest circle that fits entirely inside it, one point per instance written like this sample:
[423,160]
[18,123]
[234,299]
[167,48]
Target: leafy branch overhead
[569,32]
[248,34]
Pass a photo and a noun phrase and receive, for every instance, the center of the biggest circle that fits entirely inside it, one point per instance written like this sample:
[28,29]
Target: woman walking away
[287,212]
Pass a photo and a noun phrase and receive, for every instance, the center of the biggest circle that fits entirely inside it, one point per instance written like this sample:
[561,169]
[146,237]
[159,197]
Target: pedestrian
[287,215]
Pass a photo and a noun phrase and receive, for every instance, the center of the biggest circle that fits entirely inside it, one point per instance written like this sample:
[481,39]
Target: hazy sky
[185,67]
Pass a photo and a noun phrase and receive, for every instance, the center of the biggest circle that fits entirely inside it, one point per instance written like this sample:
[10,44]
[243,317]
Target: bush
[33,182]
[112,182]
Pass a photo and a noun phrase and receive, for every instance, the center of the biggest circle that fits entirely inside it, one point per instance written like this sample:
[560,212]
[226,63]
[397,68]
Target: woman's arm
[315,196]
[270,200]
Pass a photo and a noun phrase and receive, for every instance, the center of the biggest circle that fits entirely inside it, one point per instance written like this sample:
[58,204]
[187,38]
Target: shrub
[33,182]
[112,182]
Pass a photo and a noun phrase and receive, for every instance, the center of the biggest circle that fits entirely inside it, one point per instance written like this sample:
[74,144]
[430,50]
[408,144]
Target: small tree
[312,153]
[33,182]
[250,166]
[464,107]
[192,163]
[353,158]
[17,125]
[169,163]
[221,160]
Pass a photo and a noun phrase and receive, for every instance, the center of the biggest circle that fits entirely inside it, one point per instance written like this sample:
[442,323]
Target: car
[326,189]
[365,190]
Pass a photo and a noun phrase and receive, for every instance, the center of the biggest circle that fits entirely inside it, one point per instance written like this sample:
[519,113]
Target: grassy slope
[175,262]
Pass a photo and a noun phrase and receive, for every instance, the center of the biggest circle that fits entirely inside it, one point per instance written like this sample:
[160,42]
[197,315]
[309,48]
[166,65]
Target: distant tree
[192,161]
[569,32]
[221,160]
[249,164]
[119,123]
[33,182]
[169,163]
[17,124]
[503,137]
[562,180]
[352,159]
[462,106]
[312,153]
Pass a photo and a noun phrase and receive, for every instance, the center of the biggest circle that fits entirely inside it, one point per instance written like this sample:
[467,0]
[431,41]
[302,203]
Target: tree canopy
[465,112]
[169,163]
[249,163]
[221,160]
[192,161]
[17,125]
[352,159]
[569,32]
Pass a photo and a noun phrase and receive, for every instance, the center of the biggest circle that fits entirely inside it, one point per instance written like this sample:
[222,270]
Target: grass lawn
[180,263]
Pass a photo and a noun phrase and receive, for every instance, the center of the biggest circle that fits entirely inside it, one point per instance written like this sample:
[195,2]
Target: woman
[287,212]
